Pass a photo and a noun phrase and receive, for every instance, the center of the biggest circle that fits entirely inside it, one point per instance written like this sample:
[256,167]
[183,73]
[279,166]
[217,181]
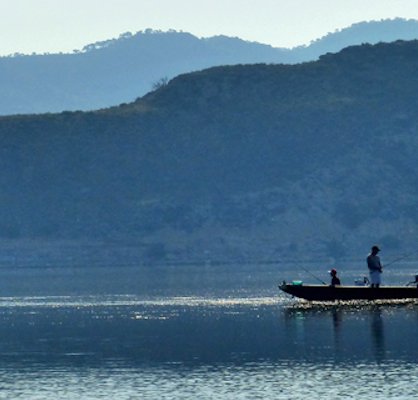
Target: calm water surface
[175,333]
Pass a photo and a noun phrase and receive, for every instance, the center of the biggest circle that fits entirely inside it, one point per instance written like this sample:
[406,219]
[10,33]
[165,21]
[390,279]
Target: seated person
[334,278]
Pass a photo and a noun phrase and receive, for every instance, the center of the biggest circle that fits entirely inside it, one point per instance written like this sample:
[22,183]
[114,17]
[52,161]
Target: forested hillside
[250,162]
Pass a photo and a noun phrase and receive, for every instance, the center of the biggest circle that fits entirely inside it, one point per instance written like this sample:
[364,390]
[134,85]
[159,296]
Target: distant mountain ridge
[235,163]
[116,71]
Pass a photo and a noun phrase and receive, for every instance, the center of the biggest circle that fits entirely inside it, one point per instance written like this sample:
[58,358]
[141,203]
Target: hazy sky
[64,25]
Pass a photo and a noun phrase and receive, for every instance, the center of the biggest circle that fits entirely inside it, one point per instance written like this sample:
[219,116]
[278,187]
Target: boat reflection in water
[360,331]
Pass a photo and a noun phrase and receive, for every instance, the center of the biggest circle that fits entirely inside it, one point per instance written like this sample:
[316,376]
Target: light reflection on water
[132,300]
[237,342]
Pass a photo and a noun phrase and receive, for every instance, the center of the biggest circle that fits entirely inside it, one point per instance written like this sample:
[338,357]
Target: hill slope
[120,70]
[230,163]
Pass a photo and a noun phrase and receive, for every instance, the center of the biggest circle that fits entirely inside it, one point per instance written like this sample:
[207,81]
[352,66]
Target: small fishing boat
[331,293]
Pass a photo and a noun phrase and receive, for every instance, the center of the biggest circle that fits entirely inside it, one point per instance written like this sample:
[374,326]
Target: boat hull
[331,293]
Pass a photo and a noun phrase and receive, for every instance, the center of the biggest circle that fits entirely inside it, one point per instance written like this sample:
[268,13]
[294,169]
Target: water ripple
[296,381]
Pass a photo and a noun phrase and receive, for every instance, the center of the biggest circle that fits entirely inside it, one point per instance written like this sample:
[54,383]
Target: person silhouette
[375,267]
[334,278]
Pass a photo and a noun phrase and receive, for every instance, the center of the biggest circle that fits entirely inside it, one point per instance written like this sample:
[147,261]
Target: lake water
[206,332]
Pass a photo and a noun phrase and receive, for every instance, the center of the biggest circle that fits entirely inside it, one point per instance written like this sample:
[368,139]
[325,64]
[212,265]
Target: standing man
[375,267]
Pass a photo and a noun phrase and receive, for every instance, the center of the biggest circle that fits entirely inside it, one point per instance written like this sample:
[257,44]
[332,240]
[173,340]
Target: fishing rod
[310,273]
[401,258]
